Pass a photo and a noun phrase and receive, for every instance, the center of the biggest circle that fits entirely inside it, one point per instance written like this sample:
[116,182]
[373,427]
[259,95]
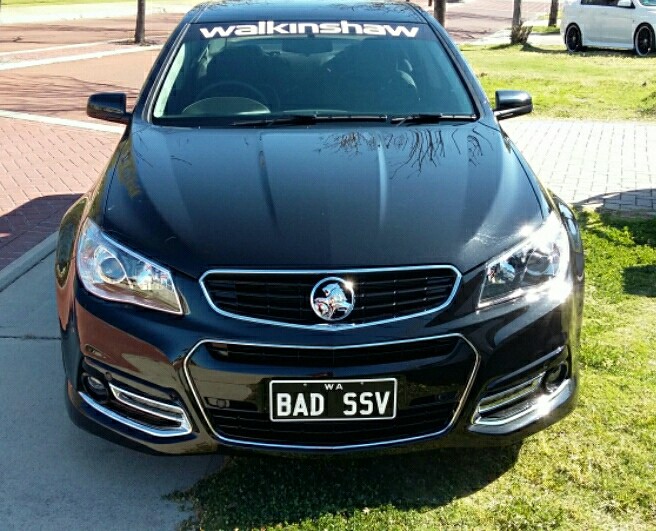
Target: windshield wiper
[310,119]
[431,118]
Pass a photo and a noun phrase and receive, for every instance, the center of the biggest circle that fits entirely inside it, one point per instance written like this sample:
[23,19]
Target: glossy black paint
[109,106]
[511,103]
[323,197]
[339,198]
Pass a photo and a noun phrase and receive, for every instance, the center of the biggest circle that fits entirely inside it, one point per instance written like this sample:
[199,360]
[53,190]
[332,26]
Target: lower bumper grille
[253,426]
[333,357]
[235,400]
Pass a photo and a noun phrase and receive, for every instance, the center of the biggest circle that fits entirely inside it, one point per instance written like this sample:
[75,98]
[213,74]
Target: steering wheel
[250,89]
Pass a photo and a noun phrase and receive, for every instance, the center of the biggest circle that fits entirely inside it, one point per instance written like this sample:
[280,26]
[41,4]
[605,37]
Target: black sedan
[314,236]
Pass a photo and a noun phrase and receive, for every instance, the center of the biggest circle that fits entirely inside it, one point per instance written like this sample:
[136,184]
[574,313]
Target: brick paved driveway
[21,37]
[473,20]
[43,169]
[592,164]
[63,89]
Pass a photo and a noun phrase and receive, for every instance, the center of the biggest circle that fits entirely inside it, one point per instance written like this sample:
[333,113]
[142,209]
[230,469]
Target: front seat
[377,84]
[237,68]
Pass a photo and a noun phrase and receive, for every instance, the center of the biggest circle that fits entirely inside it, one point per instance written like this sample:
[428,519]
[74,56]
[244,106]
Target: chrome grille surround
[329,273]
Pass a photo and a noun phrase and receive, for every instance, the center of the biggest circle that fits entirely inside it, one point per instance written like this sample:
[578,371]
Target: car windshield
[243,73]
[648,3]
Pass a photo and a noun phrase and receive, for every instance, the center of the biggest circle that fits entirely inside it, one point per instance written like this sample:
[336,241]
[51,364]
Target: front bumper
[178,396]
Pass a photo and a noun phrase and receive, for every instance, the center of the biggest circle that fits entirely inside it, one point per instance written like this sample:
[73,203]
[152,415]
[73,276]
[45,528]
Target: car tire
[643,41]
[573,39]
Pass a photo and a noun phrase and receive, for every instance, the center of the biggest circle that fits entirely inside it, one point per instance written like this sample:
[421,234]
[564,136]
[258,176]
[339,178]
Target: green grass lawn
[546,30]
[603,85]
[594,470]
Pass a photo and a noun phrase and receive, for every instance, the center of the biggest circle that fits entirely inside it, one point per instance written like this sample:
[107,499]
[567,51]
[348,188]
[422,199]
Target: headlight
[113,272]
[537,264]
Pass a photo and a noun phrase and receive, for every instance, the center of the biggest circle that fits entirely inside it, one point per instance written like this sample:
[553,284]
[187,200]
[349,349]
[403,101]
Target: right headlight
[115,273]
[537,264]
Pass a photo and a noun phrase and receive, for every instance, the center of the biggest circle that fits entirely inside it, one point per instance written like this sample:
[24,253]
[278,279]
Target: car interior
[235,77]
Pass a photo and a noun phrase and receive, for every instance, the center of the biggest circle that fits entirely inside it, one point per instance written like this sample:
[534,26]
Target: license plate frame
[370,383]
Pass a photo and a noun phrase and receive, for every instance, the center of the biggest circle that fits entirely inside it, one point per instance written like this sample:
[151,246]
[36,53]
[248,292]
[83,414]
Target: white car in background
[625,24]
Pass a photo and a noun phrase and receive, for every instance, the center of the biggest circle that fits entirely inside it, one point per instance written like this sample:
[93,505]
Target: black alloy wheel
[573,39]
[644,41]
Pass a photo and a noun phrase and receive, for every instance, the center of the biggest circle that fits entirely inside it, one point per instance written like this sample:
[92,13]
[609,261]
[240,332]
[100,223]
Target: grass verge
[599,85]
[594,470]
[546,30]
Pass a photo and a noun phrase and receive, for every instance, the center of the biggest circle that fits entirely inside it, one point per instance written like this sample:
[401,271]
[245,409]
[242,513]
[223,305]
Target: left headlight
[539,263]
[113,272]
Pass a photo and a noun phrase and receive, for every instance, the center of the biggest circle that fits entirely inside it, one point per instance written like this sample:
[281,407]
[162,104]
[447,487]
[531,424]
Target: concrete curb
[64,122]
[31,258]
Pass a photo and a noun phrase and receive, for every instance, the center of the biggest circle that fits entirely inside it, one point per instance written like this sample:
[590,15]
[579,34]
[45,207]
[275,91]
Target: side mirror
[511,103]
[109,106]
[627,4]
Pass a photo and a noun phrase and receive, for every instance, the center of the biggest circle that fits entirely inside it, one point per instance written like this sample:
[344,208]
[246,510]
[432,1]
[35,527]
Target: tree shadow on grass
[532,48]
[586,53]
[262,491]
[640,280]
[640,227]
[528,48]
[639,221]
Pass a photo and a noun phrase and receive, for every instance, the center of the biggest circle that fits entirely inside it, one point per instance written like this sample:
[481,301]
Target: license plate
[322,400]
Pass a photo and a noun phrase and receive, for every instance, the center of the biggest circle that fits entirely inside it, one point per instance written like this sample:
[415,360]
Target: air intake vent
[333,357]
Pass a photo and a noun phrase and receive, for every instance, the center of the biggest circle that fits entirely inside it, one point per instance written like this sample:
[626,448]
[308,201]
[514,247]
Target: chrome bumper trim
[152,407]
[503,398]
[541,406]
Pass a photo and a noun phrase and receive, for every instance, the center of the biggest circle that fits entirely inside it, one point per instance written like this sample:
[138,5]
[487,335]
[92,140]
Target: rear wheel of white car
[643,42]
[573,39]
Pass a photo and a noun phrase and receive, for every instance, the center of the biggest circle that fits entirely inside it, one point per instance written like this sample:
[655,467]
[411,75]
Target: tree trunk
[553,13]
[140,30]
[439,11]
[517,13]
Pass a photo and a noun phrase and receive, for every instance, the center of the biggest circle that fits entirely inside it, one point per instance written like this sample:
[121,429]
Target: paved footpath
[43,169]
[54,476]
[609,165]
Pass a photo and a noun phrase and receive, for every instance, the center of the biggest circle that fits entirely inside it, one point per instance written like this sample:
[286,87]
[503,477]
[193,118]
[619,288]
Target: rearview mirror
[625,3]
[511,103]
[109,106]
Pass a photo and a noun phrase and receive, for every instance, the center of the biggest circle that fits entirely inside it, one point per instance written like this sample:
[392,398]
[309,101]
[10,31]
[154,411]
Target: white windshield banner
[270,27]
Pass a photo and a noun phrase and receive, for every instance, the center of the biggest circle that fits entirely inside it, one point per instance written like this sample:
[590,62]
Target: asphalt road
[54,476]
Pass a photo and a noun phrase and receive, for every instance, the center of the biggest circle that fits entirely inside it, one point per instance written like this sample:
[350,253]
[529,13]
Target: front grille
[254,426]
[285,296]
[333,357]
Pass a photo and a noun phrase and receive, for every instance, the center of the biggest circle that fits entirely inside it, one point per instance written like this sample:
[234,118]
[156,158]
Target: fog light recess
[95,387]
[555,377]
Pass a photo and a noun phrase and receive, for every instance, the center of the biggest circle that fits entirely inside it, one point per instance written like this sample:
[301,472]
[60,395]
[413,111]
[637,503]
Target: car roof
[307,10]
